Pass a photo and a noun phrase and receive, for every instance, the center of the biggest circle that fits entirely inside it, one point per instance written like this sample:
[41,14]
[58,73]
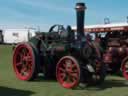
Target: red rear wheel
[24,61]
[125,68]
[68,72]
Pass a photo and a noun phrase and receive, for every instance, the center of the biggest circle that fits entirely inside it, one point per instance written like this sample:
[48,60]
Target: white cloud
[15,25]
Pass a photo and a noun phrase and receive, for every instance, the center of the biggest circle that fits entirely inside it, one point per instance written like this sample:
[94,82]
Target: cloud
[14,25]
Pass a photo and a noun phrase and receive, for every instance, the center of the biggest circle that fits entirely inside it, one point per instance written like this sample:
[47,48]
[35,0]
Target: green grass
[11,86]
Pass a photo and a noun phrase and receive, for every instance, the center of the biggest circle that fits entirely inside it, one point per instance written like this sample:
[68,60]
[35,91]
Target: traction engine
[69,56]
[116,53]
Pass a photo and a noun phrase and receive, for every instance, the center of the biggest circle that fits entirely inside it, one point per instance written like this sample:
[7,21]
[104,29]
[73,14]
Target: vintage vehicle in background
[113,40]
[14,36]
[70,56]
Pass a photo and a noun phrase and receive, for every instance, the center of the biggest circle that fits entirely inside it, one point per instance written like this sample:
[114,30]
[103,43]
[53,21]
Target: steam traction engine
[115,55]
[113,39]
[69,56]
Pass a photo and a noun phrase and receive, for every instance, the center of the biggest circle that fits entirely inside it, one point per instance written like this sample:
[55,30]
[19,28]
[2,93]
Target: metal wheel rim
[68,72]
[23,61]
[125,69]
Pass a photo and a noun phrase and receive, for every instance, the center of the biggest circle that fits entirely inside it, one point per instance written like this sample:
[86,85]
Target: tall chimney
[80,8]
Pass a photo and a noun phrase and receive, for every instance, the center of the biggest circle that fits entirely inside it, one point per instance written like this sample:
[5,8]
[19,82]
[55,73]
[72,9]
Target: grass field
[11,86]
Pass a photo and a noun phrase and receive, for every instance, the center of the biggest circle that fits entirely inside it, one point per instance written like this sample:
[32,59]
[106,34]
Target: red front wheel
[124,68]
[68,72]
[24,62]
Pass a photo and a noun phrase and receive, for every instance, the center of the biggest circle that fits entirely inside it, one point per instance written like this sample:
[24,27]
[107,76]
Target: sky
[44,13]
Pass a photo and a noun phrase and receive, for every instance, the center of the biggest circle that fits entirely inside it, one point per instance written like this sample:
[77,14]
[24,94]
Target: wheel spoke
[68,63]
[68,79]
[73,66]
[24,51]
[23,73]
[61,69]
[73,79]
[74,75]
[64,65]
[26,58]
[74,71]
[29,67]
[63,76]
[19,64]
[28,54]
[21,56]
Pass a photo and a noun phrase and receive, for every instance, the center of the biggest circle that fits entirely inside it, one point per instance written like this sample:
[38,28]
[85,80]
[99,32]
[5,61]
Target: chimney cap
[80,6]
